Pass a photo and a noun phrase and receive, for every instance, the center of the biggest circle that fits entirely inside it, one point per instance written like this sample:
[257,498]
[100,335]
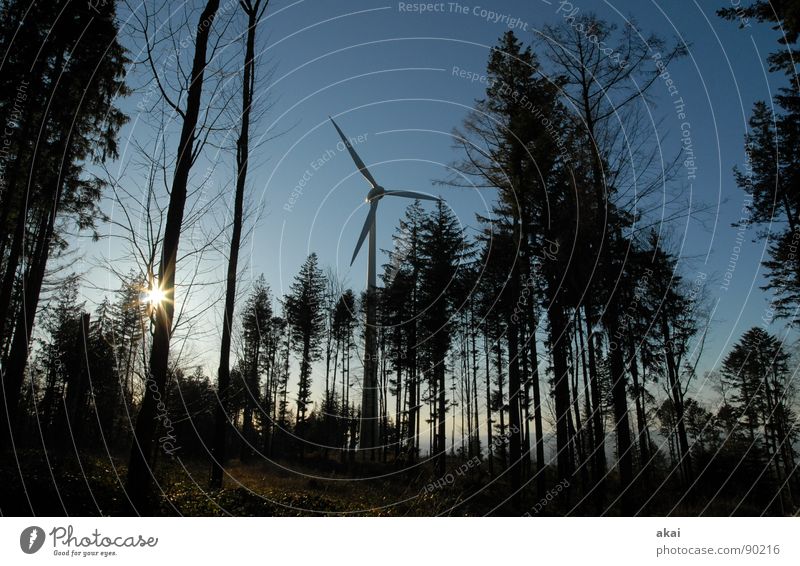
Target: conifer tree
[68,58]
[306,319]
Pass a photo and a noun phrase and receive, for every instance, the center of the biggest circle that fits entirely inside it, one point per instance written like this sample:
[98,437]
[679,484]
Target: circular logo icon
[31,539]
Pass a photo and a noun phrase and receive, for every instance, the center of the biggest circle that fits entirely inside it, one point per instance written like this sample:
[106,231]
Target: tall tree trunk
[599,458]
[242,158]
[466,394]
[641,419]
[587,404]
[302,397]
[541,480]
[251,389]
[525,402]
[32,280]
[558,339]
[489,441]
[580,427]
[31,291]
[38,78]
[501,408]
[677,400]
[330,382]
[413,389]
[398,415]
[773,445]
[514,388]
[476,418]
[12,265]
[441,416]
[77,387]
[139,472]
[620,401]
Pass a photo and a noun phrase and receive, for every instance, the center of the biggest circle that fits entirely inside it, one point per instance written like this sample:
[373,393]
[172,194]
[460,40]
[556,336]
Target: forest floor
[94,486]
[57,486]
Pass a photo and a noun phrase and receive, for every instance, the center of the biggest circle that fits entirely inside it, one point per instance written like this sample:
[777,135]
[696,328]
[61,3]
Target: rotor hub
[375,194]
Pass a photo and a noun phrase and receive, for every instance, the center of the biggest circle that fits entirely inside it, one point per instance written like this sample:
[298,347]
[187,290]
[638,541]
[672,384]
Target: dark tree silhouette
[442,250]
[506,148]
[258,352]
[139,476]
[66,120]
[306,319]
[343,326]
[254,10]
[756,372]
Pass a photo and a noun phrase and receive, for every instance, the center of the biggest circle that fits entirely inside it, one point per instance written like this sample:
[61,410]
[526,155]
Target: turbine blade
[354,155]
[411,194]
[373,207]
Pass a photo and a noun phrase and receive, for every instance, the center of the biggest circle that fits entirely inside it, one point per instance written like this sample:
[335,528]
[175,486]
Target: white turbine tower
[369,400]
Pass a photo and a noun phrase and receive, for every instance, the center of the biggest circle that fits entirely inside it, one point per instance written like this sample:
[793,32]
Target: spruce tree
[66,121]
[443,248]
[307,322]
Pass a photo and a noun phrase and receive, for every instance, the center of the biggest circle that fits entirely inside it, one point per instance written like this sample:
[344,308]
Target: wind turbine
[369,399]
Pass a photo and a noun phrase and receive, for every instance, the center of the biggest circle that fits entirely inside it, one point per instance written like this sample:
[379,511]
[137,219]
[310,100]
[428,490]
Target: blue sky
[387,76]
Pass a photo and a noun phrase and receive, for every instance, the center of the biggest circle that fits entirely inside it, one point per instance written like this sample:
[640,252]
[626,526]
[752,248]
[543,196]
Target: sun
[154,296]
